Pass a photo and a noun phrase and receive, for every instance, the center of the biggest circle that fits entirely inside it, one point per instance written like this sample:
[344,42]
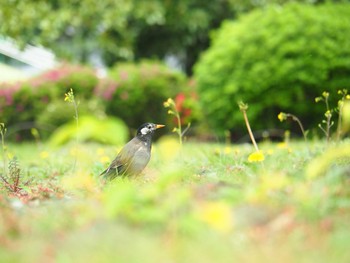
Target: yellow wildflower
[227,150]
[282,116]
[10,155]
[325,94]
[218,215]
[168,103]
[256,157]
[282,145]
[44,154]
[318,99]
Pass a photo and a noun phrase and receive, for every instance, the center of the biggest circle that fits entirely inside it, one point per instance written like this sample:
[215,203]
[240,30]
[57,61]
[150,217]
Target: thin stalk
[250,130]
[339,127]
[76,117]
[296,119]
[2,133]
[179,127]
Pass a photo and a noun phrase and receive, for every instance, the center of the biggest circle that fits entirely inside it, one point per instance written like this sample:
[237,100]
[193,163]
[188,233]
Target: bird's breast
[140,160]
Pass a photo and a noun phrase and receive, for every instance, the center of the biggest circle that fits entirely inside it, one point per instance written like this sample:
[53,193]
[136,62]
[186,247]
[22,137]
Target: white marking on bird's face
[146,130]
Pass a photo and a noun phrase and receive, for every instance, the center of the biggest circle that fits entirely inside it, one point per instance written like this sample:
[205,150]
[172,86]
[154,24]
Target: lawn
[196,203]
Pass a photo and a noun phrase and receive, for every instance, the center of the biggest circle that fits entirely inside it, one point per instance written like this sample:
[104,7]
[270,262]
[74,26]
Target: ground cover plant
[198,202]
[294,52]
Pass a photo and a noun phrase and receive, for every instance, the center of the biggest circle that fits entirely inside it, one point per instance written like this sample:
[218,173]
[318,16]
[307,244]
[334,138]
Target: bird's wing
[121,163]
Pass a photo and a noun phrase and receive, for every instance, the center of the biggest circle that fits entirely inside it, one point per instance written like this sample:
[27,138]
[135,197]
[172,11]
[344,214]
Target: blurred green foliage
[38,102]
[202,203]
[134,92]
[109,130]
[276,59]
[138,91]
[58,112]
[122,30]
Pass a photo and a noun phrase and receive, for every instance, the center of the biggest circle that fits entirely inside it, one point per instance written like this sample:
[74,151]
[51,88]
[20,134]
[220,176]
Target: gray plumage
[135,155]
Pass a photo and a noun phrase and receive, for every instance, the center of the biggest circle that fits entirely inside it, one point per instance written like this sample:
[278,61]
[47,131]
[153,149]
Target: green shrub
[107,130]
[34,103]
[60,80]
[276,59]
[59,112]
[137,91]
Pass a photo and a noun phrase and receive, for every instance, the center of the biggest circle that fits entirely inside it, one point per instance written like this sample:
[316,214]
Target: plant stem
[339,127]
[179,127]
[328,128]
[250,130]
[2,133]
[76,117]
[296,119]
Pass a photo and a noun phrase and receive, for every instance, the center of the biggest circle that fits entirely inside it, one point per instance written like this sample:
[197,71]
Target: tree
[276,59]
[120,29]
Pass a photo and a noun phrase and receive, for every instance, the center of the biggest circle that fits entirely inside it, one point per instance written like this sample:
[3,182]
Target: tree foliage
[119,29]
[122,29]
[277,59]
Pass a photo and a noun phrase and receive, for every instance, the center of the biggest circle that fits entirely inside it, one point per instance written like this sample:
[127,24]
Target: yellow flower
[256,157]
[227,150]
[69,96]
[347,97]
[325,94]
[218,215]
[328,114]
[282,145]
[10,155]
[44,154]
[169,102]
[318,99]
[282,116]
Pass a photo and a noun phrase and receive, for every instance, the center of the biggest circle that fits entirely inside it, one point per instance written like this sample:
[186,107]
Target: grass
[198,203]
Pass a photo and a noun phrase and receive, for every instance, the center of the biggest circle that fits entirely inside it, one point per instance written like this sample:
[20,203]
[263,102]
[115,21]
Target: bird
[135,155]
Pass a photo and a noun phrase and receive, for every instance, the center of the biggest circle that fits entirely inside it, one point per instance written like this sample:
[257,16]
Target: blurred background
[124,58]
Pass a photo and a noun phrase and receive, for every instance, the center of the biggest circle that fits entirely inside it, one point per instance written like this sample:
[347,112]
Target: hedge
[275,59]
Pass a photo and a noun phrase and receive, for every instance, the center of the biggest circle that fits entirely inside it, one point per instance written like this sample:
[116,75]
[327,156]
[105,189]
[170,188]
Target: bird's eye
[149,127]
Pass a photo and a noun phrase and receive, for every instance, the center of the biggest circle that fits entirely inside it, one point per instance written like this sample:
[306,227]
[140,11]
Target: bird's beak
[159,126]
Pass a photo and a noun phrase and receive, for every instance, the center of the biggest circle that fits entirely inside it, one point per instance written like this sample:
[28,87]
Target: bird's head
[148,128]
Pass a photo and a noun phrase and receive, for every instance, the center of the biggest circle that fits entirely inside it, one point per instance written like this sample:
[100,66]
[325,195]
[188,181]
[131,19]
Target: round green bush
[108,130]
[275,59]
[39,101]
[59,112]
[137,91]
